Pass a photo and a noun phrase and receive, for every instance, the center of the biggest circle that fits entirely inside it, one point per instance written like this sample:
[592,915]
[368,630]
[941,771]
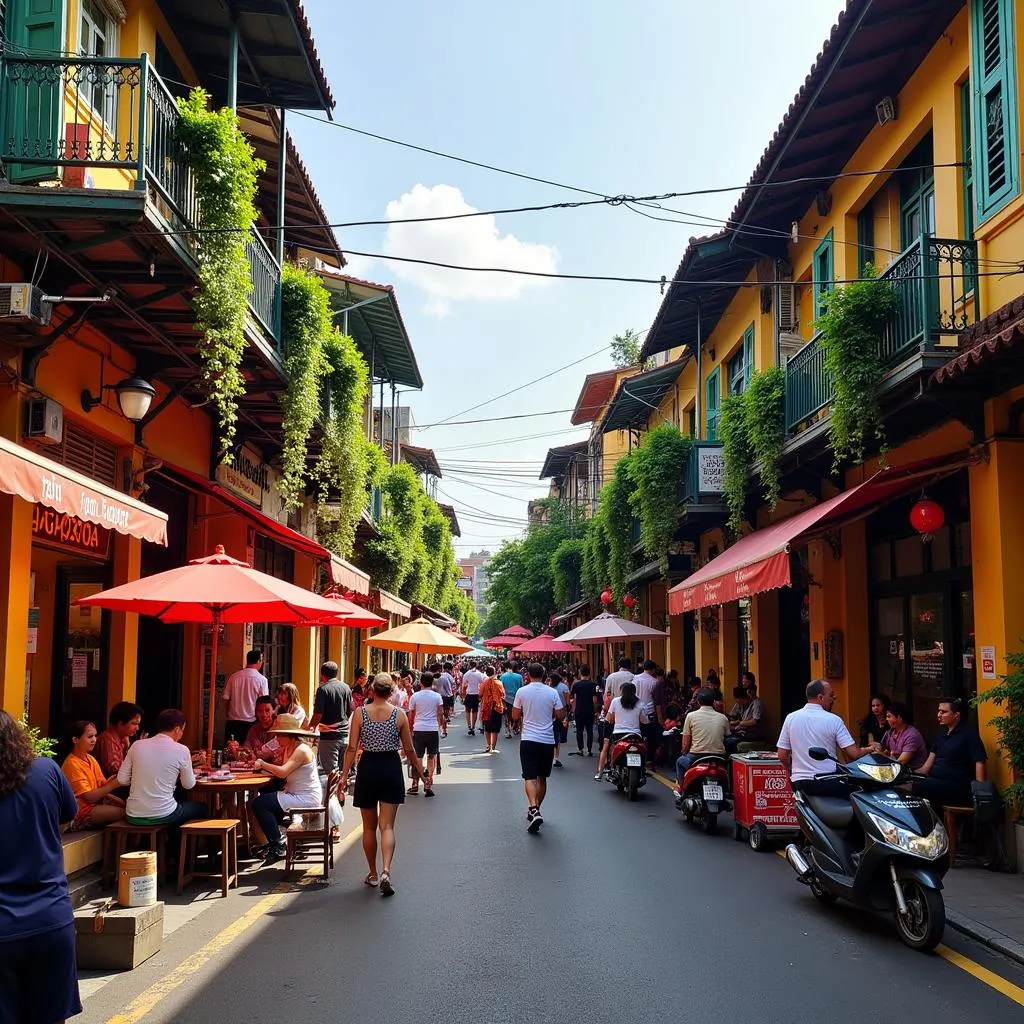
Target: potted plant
[42,746]
[1009,695]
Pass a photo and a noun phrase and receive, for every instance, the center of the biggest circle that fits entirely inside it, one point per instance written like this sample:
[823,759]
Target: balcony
[111,123]
[935,282]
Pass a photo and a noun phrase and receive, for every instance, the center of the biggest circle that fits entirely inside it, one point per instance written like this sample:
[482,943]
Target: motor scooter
[878,847]
[704,792]
[627,768]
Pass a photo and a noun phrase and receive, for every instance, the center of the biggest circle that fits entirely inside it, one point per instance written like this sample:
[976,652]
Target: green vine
[305,325]
[617,514]
[225,170]
[656,469]
[567,570]
[595,559]
[736,450]
[1009,696]
[42,746]
[765,412]
[851,339]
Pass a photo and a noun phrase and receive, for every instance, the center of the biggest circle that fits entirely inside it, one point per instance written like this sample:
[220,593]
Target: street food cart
[764,799]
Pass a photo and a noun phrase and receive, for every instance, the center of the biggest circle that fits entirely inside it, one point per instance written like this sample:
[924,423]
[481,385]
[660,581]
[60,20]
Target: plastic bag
[336,814]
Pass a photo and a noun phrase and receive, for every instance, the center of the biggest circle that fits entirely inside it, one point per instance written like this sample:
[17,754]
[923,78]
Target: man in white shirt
[814,725]
[537,706]
[153,768]
[471,695]
[241,691]
[645,682]
[613,684]
[444,683]
[426,718]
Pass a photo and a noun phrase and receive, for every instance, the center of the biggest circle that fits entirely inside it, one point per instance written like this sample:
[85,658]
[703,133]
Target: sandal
[335,834]
[412,791]
[370,879]
[386,888]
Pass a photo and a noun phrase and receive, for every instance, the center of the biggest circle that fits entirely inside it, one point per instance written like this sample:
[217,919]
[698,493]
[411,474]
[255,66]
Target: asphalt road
[616,912]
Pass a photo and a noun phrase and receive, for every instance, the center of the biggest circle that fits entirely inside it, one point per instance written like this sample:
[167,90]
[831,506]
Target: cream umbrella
[420,636]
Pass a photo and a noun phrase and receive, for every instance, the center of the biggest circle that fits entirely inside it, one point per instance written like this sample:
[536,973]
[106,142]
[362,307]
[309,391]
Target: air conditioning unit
[23,304]
[44,420]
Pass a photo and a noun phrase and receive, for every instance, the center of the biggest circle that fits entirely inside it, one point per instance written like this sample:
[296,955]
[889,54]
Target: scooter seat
[834,811]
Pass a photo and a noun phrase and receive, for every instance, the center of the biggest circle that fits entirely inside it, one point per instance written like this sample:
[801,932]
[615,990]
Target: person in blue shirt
[511,680]
[38,976]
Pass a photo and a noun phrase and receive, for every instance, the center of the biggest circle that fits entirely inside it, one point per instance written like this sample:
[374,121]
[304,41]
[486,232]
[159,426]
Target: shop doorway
[81,642]
[794,648]
[274,640]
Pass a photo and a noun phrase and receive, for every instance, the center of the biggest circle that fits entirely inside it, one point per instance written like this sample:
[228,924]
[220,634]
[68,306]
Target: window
[823,275]
[917,193]
[865,238]
[967,157]
[997,167]
[97,37]
[741,366]
[713,392]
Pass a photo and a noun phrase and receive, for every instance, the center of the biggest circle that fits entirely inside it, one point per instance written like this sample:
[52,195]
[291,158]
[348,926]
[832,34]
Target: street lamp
[134,397]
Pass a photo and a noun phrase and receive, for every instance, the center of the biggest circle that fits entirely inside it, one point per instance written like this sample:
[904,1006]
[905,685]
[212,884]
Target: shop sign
[67,533]
[246,476]
[988,662]
[464,583]
[710,469]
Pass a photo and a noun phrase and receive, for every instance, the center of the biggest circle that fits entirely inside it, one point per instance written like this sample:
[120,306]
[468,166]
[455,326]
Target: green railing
[265,296]
[933,280]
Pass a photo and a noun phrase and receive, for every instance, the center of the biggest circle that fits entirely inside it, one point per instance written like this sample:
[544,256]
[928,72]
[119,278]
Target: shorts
[39,978]
[536,759]
[493,723]
[425,742]
[447,703]
[472,702]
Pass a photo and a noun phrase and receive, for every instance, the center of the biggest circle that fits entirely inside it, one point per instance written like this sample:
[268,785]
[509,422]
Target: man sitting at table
[260,741]
[153,768]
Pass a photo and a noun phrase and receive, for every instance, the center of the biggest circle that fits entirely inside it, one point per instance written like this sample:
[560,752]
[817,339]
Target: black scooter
[879,847]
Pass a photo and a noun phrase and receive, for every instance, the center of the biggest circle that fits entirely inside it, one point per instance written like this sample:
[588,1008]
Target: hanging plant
[305,324]
[1008,696]
[225,170]
[735,435]
[765,410]
[567,570]
[618,524]
[656,470]
[852,330]
[595,558]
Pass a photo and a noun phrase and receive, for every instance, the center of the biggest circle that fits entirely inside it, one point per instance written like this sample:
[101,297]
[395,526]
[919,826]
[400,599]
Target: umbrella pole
[211,713]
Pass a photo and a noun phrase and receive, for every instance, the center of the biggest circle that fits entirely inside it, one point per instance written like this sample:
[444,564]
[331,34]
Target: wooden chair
[306,845]
[223,829]
[950,816]
[115,842]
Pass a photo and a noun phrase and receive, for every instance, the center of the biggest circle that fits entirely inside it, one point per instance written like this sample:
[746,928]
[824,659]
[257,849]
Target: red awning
[35,478]
[760,561]
[346,575]
[292,538]
[388,602]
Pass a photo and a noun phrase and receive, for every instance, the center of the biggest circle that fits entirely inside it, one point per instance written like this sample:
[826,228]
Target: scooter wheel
[710,824]
[758,837]
[925,920]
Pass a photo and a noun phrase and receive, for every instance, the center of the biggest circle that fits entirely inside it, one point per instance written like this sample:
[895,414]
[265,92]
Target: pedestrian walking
[381,730]
[585,702]
[538,707]
[511,679]
[332,713]
[426,718]
[471,695]
[240,692]
[492,709]
[561,728]
[38,975]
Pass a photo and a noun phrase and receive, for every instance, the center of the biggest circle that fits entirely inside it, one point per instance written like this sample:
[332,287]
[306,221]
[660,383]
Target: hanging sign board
[64,532]
[710,469]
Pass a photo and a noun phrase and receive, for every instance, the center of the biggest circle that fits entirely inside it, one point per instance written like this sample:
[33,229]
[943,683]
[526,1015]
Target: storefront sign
[464,583]
[988,662]
[710,469]
[67,533]
[33,631]
[246,476]
[79,670]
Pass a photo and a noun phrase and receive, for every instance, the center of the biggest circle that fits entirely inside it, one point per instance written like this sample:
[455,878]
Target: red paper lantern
[927,517]
[629,601]
[606,596]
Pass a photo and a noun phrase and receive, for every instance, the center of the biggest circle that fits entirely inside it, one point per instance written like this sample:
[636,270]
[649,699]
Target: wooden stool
[949,817]
[224,829]
[115,842]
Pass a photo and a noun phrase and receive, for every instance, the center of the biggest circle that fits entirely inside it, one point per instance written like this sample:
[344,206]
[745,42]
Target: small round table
[232,795]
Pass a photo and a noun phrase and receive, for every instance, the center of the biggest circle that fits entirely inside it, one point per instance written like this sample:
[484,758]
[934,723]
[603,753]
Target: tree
[626,349]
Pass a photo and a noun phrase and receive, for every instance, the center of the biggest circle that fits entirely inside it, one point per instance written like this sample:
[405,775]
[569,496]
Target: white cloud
[358,266]
[472,242]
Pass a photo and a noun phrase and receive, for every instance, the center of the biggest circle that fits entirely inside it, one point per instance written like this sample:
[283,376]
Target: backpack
[988,804]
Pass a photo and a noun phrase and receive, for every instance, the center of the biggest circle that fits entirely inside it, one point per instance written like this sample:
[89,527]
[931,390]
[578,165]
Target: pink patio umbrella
[547,644]
[608,628]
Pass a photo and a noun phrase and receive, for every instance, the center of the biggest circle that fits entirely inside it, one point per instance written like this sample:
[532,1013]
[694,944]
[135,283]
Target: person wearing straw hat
[301,785]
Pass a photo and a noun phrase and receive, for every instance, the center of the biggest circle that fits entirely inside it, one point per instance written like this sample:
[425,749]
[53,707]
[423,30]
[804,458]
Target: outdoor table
[232,795]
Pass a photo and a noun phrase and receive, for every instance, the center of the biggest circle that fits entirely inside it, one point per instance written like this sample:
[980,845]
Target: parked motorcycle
[879,847]
[627,770]
[705,791]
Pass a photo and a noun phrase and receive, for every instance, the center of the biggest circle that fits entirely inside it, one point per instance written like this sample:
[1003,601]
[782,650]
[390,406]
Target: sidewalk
[988,906]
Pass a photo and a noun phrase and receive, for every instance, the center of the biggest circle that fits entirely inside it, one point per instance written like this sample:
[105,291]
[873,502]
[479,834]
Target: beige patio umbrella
[420,636]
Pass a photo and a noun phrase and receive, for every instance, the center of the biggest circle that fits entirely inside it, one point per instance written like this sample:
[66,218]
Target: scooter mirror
[819,754]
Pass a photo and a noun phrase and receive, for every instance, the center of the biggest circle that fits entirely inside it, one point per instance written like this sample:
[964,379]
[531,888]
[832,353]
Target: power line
[508,440]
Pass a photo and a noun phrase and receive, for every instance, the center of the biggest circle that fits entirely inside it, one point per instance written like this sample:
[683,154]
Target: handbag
[988,804]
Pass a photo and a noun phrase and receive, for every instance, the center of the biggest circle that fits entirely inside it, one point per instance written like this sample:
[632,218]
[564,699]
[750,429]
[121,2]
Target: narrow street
[614,912]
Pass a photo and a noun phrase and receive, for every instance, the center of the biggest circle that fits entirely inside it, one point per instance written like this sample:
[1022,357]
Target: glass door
[890,654]
[929,656]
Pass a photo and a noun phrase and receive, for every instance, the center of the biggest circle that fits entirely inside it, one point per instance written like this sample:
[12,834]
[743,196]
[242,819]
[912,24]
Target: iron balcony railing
[933,280]
[112,113]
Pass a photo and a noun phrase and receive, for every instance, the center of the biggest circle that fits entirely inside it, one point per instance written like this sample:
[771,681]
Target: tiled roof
[314,58]
[989,341]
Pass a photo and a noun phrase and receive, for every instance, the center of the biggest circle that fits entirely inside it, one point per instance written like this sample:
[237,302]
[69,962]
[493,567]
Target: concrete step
[86,885]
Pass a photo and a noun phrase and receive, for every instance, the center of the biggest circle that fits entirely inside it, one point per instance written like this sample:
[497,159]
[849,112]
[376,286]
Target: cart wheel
[737,833]
[758,837]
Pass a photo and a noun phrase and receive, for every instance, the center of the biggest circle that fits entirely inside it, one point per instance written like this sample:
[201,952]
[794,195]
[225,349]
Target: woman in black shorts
[379,730]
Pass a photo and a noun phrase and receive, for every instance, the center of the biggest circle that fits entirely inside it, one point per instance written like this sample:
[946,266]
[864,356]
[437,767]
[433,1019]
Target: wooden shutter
[785,306]
[748,355]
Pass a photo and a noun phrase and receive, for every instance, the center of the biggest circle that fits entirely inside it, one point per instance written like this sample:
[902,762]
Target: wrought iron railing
[933,280]
[265,275]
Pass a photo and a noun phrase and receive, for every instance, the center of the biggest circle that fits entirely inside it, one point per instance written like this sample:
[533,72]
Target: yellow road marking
[983,974]
[160,990]
[663,780]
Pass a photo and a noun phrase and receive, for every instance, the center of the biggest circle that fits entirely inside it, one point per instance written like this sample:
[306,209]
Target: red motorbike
[627,770]
[704,793]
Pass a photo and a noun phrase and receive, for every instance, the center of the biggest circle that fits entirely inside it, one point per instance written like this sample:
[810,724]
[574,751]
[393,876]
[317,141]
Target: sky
[642,99]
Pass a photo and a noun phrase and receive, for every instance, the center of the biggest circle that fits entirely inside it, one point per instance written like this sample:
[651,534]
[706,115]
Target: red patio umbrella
[546,644]
[219,590]
[504,641]
[516,631]
[348,614]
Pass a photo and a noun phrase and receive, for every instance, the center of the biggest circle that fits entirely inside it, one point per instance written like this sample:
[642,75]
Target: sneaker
[677,794]
[428,792]
[558,764]
[590,753]
[534,820]
[275,852]
[597,776]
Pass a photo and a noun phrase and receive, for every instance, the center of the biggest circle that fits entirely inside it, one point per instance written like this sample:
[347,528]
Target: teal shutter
[32,98]
[712,394]
[996,151]
[823,274]
[865,238]
[748,355]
